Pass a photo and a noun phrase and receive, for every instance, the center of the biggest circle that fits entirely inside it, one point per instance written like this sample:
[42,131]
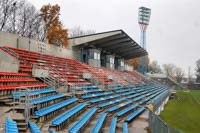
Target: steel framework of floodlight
[143,20]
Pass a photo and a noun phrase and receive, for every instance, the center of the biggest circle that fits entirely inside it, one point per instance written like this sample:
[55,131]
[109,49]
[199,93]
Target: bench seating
[126,110]
[10,126]
[67,115]
[54,107]
[114,108]
[99,123]
[103,98]
[138,98]
[34,92]
[33,127]
[125,127]
[96,95]
[113,125]
[111,102]
[134,114]
[79,124]
[46,99]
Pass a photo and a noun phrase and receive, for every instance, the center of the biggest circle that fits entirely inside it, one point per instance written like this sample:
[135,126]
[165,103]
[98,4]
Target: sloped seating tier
[17,80]
[79,125]
[134,114]
[97,127]
[124,128]
[46,99]
[33,92]
[113,125]
[6,74]
[54,107]
[10,126]
[67,115]
[33,127]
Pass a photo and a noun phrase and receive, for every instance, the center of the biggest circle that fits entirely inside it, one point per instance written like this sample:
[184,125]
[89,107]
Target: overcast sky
[173,35]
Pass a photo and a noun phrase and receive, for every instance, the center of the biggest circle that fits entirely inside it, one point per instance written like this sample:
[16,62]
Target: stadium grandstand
[86,87]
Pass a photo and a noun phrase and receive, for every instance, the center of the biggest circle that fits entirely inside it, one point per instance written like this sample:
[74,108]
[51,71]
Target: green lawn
[184,112]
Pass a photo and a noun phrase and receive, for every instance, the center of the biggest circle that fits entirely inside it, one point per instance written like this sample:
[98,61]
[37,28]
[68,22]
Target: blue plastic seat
[118,106]
[54,107]
[99,123]
[126,110]
[10,126]
[113,125]
[33,127]
[134,114]
[125,128]
[79,124]
[64,117]
[45,99]
[111,102]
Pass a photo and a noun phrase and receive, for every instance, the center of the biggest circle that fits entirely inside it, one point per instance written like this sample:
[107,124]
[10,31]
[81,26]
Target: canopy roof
[114,42]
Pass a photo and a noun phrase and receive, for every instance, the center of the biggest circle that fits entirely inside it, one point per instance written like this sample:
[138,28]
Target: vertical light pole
[143,20]
[14,8]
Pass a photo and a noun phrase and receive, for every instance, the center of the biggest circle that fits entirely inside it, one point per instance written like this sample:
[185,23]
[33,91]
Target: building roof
[115,42]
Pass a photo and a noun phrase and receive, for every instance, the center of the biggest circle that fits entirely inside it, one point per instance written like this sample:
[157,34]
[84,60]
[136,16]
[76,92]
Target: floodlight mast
[143,20]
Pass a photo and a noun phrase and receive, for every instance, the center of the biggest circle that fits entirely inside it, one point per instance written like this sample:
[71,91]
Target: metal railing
[157,125]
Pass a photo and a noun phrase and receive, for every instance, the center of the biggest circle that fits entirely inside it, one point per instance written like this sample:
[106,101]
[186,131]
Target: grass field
[183,113]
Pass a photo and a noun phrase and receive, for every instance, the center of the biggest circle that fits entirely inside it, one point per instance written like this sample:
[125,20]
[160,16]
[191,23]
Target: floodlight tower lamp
[143,20]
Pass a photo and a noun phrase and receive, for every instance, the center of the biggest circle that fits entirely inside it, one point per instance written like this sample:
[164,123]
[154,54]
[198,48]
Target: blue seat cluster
[32,93]
[111,102]
[85,87]
[92,91]
[118,106]
[54,107]
[64,117]
[113,125]
[134,114]
[78,125]
[46,99]
[125,128]
[99,123]
[10,126]
[33,127]
[96,95]
[103,98]
[126,110]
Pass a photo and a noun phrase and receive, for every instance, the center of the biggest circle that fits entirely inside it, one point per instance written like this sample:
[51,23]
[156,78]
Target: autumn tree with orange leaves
[55,33]
[136,62]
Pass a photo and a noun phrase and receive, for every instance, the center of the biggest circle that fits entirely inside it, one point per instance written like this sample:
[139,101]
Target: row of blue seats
[104,98]
[114,85]
[126,110]
[116,107]
[96,95]
[125,127]
[33,127]
[134,114]
[10,126]
[85,87]
[97,127]
[113,125]
[64,117]
[52,131]
[102,105]
[45,99]
[54,107]
[159,96]
[78,125]
[33,92]
[92,91]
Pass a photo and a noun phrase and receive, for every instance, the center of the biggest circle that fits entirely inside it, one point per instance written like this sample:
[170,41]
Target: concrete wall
[8,63]
[8,39]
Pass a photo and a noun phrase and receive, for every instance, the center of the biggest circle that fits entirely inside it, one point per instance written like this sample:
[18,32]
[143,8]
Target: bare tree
[22,18]
[169,69]
[198,71]
[179,74]
[154,67]
[77,31]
